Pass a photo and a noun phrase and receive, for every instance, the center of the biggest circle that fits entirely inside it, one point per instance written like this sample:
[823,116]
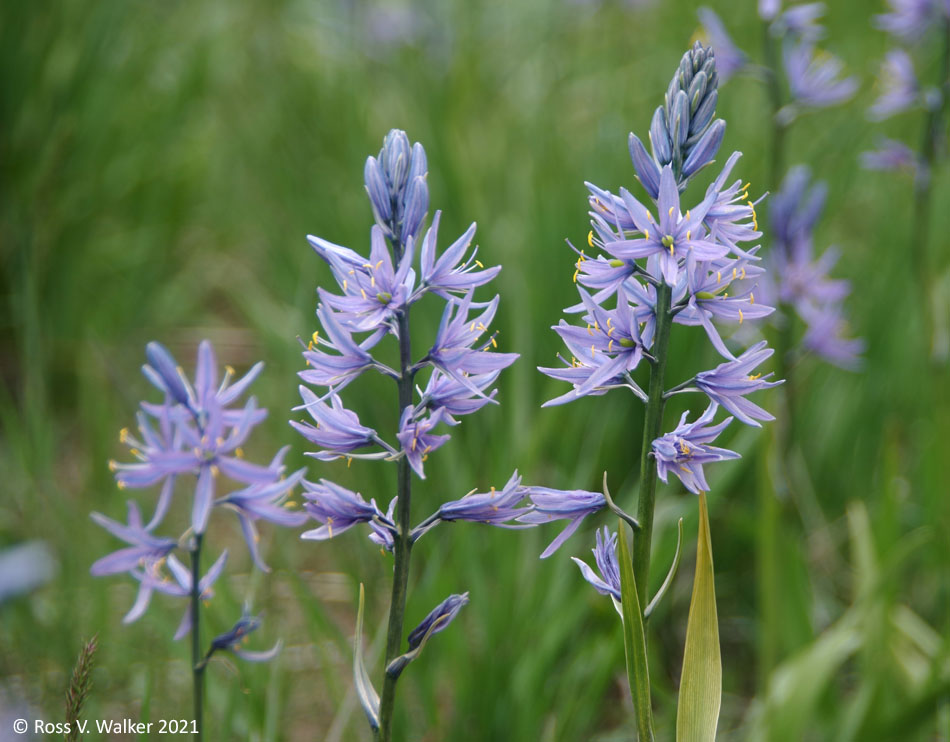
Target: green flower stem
[197,666]
[778,443]
[403,541]
[652,423]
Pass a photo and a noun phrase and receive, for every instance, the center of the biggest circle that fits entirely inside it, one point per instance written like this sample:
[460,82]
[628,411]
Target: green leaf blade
[700,694]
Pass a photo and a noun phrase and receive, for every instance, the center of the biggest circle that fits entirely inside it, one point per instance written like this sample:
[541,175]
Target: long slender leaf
[697,713]
[634,641]
[368,696]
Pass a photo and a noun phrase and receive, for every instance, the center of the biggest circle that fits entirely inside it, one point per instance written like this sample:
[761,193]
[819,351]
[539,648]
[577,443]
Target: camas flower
[813,78]
[730,59]
[446,274]
[416,439]
[396,185]
[338,429]
[180,586]
[890,155]
[684,451]
[455,398]
[728,383]
[899,88]
[571,505]
[909,20]
[144,547]
[494,508]
[605,557]
[338,509]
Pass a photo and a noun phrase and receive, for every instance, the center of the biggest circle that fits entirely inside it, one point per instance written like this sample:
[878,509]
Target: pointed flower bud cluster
[194,434]
[684,133]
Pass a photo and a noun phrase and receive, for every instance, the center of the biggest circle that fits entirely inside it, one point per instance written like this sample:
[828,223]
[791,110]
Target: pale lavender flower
[801,21]
[458,350]
[671,238]
[338,509]
[909,20]
[338,430]
[264,502]
[209,436]
[899,88]
[447,274]
[825,336]
[351,360]
[730,59]
[143,545]
[233,640]
[374,291]
[890,155]
[731,219]
[454,397]
[416,438]
[814,77]
[769,9]
[730,382]
[438,619]
[181,586]
[381,529]
[571,505]
[605,557]
[611,340]
[494,508]
[685,450]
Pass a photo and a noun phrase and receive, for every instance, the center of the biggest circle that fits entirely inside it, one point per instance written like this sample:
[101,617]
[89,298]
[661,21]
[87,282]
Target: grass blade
[634,641]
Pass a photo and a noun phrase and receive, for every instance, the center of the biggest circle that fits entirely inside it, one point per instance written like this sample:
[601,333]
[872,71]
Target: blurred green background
[160,165]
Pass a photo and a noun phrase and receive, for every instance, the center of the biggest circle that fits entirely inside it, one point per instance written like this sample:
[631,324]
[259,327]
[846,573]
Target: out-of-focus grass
[161,165]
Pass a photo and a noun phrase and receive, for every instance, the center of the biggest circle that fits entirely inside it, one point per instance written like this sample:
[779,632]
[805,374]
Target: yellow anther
[590,238]
[344,284]
[740,316]
[425,457]
[734,273]
[689,234]
[349,460]
[610,346]
[330,525]
[229,370]
[753,377]
[755,220]
[492,491]
[482,327]
[135,452]
[352,271]
[687,213]
[671,248]
[479,263]
[120,484]
[315,337]
[751,298]
[372,281]
[575,274]
[310,347]
[589,331]
[427,449]
[646,234]
[363,293]
[239,452]
[684,468]
[290,504]
[413,446]
[472,327]
[113,465]
[219,440]
[368,265]
[494,344]
[592,351]
[718,276]
[742,273]
[378,263]
[123,435]
[670,211]
[215,471]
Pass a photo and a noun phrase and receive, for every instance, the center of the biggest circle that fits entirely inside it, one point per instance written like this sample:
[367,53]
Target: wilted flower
[605,557]
[438,619]
[233,640]
[684,451]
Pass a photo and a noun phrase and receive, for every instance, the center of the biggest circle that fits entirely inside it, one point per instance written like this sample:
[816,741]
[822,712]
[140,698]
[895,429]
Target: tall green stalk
[652,424]
[402,542]
[197,665]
